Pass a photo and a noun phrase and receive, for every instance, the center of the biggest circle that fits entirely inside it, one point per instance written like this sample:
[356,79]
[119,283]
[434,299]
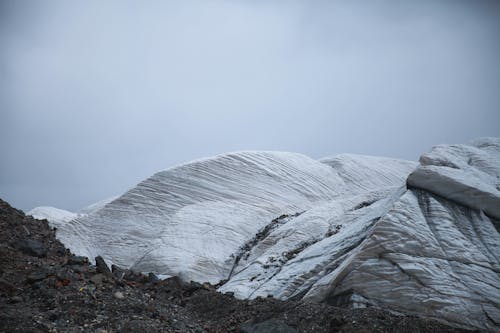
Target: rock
[97,279]
[118,273]
[31,247]
[80,268]
[135,276]
[64,274]
[133,326]
[16,299]
[38,275]
[78,260]
[207,286]
[152,278]
[119,295]
[192,286]
[336,324]
[6,287]
[101,266]
[268,326]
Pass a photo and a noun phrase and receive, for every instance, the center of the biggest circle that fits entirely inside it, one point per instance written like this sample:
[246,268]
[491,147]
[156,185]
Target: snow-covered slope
[59,217]
[56,216]
[96,206]
[366,173]
[344,230]
[190,219]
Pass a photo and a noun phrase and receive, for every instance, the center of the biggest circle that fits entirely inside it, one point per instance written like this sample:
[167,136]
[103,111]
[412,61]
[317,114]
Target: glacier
[349,230]
[56,216]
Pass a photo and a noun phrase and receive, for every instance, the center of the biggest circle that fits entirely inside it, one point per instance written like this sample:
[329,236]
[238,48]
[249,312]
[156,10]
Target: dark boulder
[101,266]
[31,247]
[39,275]
[78,260]
[152,278]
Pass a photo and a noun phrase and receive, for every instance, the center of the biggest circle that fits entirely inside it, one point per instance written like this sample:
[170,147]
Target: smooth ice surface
[343,230]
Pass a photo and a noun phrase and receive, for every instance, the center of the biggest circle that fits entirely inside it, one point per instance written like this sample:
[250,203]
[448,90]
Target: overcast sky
[98,95]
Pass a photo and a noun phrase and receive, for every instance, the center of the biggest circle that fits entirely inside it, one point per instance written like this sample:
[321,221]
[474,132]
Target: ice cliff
[349,230]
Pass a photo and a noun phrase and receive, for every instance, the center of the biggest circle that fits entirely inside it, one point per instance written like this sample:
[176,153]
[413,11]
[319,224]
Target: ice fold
[345,230]
[467,174]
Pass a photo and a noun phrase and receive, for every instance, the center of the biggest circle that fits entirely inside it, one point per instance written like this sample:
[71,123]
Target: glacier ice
[59,217]
[350,230]
[56,216]
[467,174]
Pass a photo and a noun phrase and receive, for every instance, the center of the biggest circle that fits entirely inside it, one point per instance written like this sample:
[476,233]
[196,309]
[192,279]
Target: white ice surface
[351,233]
[58,217]
[190,219]
[96,206]
[427,256]
[369,173]
[54,215]
[467,174]
[294,256]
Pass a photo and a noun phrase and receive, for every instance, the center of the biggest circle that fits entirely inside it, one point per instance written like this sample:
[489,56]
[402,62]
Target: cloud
[95,96]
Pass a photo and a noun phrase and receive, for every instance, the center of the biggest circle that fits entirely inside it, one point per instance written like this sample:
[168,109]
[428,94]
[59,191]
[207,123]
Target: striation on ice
[350,230]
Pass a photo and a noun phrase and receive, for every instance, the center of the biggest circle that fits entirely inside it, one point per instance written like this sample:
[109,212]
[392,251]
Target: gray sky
[98,95]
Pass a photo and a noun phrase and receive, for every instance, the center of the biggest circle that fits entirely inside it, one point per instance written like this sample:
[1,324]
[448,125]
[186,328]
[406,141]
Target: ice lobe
[436,251]
[193,219]
[466,174]
[427,256]
[190,219]
[292,257]
[432,251]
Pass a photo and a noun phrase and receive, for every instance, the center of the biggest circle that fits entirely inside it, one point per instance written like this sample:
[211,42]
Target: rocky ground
[44,288]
